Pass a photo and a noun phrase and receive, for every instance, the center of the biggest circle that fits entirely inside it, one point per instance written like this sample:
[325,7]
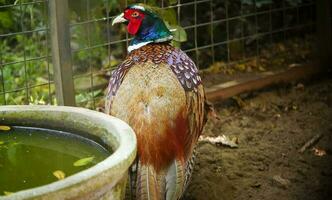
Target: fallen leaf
[14,143]
[299,86]
[319,151]
[294,65]
[223,139]
[261,68]
[6,193]
[4,128]
[277,115]
[282,182]
[59,174]
[83,161]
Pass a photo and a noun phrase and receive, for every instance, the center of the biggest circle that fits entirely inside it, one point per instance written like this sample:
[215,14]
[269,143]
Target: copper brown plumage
[157,90]
[184,68]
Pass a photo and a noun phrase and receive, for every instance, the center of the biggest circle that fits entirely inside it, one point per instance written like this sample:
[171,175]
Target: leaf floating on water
[6,193]
[59,174]
[14,144]
[83,161]
[4,128]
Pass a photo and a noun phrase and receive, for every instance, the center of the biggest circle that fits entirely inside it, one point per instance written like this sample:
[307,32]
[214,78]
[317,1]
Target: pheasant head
[144,24]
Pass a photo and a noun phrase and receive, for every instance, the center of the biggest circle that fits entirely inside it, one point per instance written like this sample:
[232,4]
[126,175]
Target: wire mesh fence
[24,52]
[217,31]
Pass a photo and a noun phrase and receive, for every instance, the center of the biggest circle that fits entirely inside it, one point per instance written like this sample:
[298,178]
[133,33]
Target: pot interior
[32,157]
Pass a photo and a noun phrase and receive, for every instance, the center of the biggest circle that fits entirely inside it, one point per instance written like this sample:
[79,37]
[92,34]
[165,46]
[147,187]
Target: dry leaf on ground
[318,151]
[223,139]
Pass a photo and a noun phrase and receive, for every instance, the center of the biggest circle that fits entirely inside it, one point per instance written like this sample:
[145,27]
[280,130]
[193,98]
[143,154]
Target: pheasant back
[158,92]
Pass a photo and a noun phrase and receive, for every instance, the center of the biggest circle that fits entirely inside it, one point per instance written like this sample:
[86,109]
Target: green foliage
[25,79]
[83,59]
[5,20]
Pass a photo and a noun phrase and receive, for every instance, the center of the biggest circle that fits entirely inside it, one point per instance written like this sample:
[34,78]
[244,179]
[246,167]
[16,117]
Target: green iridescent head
[145,24]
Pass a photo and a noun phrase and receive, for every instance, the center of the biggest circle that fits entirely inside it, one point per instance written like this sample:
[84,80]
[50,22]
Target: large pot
[105,180]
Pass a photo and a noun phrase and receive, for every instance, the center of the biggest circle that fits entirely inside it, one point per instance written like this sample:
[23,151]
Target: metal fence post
[61,52]
[324,32]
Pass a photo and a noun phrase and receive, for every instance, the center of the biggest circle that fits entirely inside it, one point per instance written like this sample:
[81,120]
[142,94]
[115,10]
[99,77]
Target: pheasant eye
[135,14]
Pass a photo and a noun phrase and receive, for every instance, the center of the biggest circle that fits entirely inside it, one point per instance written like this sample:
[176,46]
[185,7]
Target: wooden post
[61,52]
[324,35]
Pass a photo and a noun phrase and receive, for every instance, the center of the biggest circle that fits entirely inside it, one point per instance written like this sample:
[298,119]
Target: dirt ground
[271,126]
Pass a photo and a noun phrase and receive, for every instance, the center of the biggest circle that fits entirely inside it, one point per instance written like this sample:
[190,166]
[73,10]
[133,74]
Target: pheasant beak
[119,19]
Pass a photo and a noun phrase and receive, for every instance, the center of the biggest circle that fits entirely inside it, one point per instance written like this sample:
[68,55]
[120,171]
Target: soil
[271,126]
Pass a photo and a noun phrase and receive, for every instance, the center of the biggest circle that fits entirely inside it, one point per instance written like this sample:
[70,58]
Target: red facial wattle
[133,27]
[135,19]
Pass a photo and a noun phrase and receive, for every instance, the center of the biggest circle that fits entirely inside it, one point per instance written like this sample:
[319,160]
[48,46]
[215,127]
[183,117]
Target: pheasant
[158,92]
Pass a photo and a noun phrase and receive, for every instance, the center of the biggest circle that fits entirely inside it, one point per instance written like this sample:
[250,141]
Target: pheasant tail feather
[148,186]
[174,180]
